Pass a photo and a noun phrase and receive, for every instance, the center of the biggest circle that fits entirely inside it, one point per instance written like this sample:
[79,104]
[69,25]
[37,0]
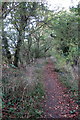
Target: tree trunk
[16,55]
[79,60]
[37,51]
[29,49]
[6,46]
[21,30]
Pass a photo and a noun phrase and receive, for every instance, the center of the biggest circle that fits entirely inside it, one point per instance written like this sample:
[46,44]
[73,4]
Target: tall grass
[66,74]
[22,94]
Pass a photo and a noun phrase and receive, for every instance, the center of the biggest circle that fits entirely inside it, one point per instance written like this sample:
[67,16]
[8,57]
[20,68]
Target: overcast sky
[62,3]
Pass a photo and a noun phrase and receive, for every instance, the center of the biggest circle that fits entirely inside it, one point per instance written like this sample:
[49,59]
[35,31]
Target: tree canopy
[30,30]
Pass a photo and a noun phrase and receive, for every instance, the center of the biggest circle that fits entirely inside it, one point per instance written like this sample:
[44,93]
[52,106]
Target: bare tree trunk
[79,61]
[29,49]
[21,30]
[6,46]
[16,56]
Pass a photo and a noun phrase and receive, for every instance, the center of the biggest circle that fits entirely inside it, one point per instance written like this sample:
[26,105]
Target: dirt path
[58,103]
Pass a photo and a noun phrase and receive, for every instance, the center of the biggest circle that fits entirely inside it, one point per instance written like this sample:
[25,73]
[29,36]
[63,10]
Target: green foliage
[36,24]
[36,96]
[31,106]
[72,112]
[65,27]
[66,74]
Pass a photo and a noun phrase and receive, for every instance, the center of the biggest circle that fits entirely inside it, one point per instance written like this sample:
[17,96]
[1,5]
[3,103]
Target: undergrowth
[20,99]
[66,76]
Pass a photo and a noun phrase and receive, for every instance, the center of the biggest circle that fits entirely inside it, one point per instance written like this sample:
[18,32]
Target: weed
[66,77]
[46,62]
[19,99]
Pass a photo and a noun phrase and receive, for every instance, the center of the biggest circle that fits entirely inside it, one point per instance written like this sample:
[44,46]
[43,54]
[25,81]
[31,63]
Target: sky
[62,3]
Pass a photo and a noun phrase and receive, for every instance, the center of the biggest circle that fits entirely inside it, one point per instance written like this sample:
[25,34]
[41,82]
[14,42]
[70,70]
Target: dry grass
[20,89]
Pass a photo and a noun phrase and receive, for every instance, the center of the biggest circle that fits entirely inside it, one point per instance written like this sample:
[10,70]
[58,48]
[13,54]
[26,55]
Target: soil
[57,103]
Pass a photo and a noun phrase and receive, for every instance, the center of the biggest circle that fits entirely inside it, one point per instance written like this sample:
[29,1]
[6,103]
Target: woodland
[40,61]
